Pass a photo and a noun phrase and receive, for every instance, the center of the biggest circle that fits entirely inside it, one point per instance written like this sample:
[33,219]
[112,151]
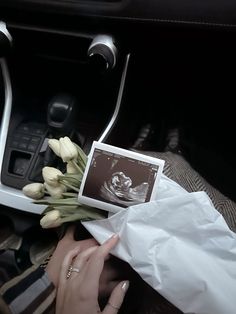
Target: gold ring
[113,306]
[69,272]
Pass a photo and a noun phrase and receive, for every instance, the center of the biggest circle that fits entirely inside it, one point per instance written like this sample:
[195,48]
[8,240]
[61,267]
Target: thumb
[116,298]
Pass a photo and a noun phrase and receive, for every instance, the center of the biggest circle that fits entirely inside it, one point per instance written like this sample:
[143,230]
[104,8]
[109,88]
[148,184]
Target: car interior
[149,76]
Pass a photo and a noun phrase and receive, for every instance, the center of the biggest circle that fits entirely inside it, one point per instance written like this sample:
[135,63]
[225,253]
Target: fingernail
[115,235]
[125,286]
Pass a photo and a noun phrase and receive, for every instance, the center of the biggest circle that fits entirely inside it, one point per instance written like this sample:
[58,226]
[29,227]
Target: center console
[52,84]
[56,85]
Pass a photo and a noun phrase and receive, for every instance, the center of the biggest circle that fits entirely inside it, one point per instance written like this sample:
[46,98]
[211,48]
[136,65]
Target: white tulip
[52,219]
[55,146]
[68,150]
[70,168]
[55,191]
[50,176]
[34,190]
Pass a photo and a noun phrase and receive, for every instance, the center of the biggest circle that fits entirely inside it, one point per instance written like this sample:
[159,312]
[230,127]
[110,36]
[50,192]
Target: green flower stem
[72,179]
[52,202]
[69,185]
[70,194]
[77,166]
[82,156]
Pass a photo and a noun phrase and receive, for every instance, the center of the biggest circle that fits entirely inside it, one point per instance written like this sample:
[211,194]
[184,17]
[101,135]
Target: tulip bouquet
[60,190]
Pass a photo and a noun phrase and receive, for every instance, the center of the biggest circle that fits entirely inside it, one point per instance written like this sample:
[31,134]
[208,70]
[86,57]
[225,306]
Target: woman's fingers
[63,277]
[116,298]
[77,261]
[80,260]
[106,247]
[67,262]
[96,262]
[80,274]
[93,265]
[109,278]
[105,289]
[69,270]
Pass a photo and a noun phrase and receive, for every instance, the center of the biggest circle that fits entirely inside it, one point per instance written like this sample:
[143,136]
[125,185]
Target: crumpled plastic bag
[180,245]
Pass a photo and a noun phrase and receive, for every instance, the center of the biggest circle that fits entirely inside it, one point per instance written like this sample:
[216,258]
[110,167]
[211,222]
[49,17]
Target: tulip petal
[55,146]
[34,190]
[68,150]
[50,176]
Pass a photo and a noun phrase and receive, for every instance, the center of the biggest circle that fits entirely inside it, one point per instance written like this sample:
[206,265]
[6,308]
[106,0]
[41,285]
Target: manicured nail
[115,235]
[125,286]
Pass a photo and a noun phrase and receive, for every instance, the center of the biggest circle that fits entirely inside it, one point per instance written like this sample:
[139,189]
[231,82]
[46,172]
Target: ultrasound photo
[116,178]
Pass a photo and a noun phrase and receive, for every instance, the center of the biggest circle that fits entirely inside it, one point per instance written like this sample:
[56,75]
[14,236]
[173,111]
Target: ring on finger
[75,269]
[70,270]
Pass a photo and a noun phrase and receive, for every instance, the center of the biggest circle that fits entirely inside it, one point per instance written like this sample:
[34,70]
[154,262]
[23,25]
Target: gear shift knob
[61,114]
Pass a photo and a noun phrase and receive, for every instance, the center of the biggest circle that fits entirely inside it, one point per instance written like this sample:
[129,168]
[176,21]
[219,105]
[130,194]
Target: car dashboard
[126,69]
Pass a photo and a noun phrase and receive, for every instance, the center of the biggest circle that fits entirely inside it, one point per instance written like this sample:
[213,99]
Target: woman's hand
[66,244]
[79,282]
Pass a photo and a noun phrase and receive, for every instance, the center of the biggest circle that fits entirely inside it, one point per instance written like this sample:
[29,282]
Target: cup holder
[8,238]
[20,251]
[9,242]
[36,246]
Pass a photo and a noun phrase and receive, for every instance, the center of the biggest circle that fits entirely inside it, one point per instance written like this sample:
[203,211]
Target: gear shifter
[61,115]
[61,120]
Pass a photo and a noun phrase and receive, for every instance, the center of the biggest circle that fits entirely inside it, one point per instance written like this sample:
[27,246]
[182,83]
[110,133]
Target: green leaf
[93,213]
[69,186]
[78,166]
[47,209]
[72,179]
[73,201]
[70,195]
[82,157]
[66,210]
[84,215]
[78,212]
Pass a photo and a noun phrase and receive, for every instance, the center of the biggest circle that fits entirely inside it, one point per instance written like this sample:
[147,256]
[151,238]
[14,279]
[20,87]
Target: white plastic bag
[180,245]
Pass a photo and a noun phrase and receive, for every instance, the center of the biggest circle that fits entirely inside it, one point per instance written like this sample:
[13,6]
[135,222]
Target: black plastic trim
[219,13]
